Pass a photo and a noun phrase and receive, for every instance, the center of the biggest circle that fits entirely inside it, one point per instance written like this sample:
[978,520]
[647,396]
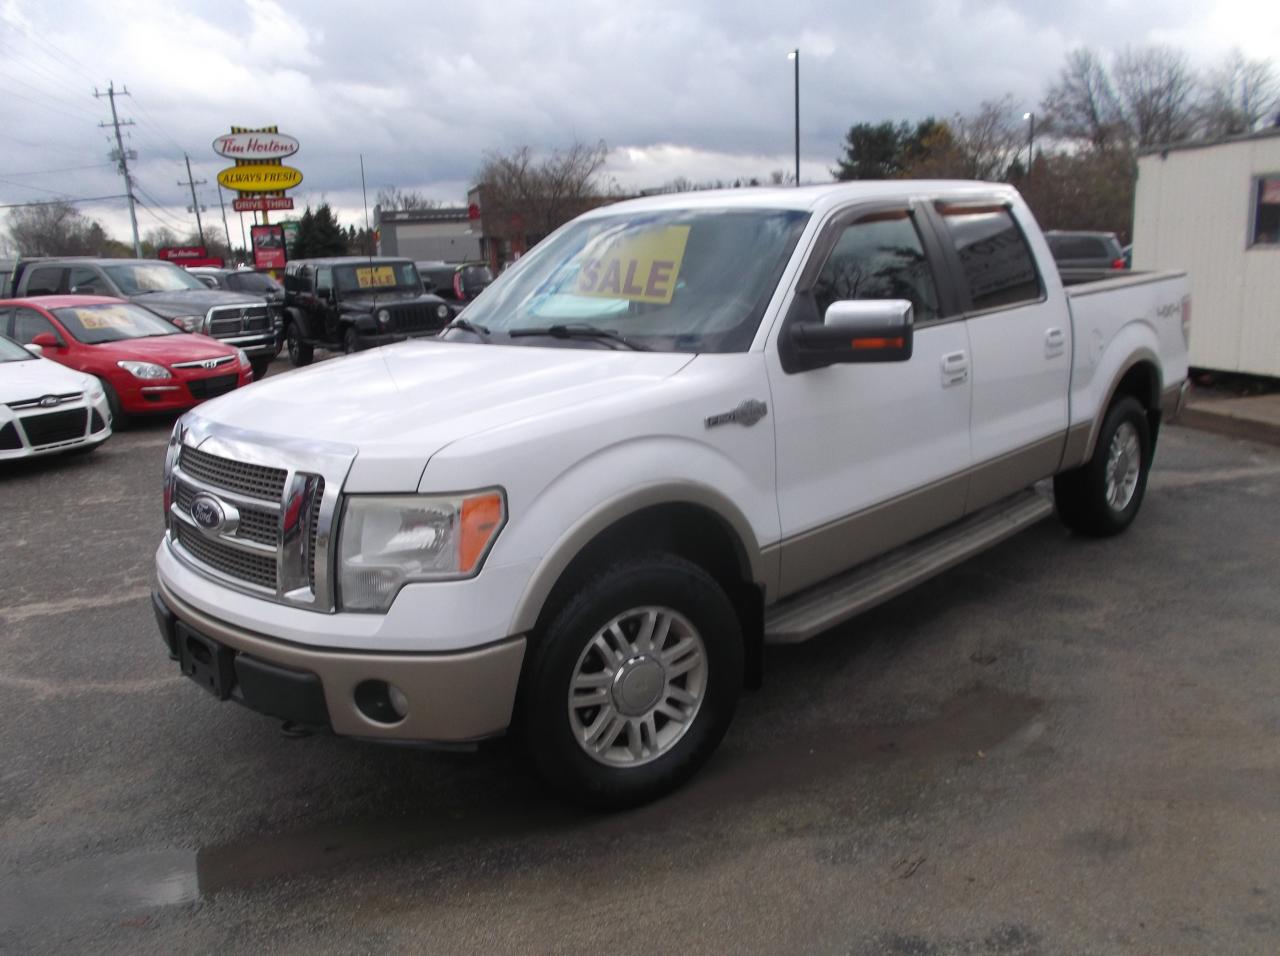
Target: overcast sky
[423,89]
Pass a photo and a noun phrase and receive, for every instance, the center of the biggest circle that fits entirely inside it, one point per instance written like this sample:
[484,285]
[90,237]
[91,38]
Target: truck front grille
[279,509]
[257,569]
[257,481]
[231,320]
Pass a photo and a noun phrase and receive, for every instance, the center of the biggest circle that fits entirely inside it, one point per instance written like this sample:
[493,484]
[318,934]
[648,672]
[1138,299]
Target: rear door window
[998,266]
[45,281]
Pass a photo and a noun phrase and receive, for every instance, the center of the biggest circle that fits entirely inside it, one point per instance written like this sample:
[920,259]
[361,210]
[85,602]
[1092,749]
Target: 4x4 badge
[747,413]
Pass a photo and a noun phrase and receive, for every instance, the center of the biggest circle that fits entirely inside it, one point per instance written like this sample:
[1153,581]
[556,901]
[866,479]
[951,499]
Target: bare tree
[1238,96]
[1156,89]
[54,229]
[392,198]
[1082,104]
[530,197]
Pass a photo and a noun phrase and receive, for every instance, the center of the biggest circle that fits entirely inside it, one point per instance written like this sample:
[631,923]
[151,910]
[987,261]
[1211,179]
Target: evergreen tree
[304,242]
[328,238]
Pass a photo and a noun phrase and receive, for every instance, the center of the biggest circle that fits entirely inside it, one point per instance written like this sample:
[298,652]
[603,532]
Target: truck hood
[21,381]
[192,302]
[370,301]
[396,406]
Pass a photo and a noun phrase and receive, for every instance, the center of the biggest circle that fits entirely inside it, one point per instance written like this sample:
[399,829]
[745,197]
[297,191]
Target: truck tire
[350,341]
[260,367]
[634,682]
[300,352]
[1101,497]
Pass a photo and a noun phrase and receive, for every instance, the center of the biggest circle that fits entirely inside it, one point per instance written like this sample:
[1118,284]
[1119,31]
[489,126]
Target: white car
[46,408]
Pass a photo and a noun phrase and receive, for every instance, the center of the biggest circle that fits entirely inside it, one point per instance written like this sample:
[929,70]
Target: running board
[824,606]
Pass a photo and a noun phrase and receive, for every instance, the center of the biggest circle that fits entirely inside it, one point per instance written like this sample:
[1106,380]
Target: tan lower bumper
[453,697]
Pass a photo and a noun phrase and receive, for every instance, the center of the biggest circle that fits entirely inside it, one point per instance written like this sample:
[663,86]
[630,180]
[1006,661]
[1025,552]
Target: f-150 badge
[747,413]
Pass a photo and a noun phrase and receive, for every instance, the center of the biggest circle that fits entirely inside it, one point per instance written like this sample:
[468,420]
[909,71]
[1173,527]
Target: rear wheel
[300,352]
[634,683]
[1102,497]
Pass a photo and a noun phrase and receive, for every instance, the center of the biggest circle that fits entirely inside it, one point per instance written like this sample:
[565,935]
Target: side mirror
[46,340]
[862,330]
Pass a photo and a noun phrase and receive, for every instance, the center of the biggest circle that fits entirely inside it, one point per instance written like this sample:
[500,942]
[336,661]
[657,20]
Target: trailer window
[1266,211]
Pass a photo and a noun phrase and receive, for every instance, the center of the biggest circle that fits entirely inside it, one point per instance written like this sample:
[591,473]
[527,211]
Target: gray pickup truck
[236,318]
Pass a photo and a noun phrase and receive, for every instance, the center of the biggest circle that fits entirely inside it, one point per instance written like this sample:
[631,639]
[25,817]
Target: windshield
[11,351]
[137,278]
[112,322]
[253,282]
[378,277]
[691,280]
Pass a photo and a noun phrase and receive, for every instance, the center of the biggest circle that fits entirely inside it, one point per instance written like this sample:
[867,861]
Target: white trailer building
[1213,209]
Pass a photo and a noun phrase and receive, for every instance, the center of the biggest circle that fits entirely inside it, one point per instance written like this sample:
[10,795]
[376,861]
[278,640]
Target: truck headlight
[145,370]
[384,318]
[188,323]
[171,459]
[388,541]
[442,311]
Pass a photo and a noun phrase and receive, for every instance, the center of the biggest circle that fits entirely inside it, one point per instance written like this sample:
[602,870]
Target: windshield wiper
[468,326]
[580,331]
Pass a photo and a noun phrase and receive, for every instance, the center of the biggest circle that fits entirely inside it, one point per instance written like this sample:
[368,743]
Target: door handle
[955,369]
[1055,343]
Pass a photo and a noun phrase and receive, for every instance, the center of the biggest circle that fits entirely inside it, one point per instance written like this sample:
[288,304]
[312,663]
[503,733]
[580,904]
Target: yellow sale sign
[371,277]
[641,266]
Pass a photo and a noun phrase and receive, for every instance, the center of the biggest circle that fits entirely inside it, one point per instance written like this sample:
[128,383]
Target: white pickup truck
[680,427]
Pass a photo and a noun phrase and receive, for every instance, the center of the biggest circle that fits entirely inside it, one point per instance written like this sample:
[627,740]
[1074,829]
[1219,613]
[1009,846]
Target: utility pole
[195,203]
[225,228]
[122,158]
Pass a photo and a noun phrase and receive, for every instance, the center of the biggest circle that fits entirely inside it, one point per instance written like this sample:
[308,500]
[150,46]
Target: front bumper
[456,697]
[17,442]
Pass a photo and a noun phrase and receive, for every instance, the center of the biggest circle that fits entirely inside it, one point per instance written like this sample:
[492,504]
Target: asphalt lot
[1064,746]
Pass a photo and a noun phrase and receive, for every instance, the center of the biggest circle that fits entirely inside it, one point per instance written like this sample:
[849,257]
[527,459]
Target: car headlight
[442,311]
[188,323]
[244,359]
[388,541]
[384,318]
[147,370]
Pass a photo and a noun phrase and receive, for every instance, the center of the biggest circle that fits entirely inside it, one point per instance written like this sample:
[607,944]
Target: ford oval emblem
[206,511]
[49,401]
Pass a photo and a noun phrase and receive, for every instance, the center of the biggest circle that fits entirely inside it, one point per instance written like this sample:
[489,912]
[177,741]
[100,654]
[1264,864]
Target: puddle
[117,886]
[112,886]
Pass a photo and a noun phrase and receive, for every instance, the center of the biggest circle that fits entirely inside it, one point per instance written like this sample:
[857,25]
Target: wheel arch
[1139,377]
[692,521]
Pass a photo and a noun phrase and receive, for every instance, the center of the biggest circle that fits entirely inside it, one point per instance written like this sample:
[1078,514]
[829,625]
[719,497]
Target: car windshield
[678,281]
[139,278]
[11,351]
[377,277]
[253,282]
[112,322]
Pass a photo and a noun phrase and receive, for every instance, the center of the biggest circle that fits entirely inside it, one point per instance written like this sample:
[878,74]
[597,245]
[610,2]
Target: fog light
[381,702]
[399,702]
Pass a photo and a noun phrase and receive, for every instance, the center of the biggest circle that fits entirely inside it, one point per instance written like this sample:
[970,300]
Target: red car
[145,364]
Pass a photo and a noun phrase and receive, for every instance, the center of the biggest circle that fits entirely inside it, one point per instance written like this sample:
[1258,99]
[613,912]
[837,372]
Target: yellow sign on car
[640,266]
[373,277]
[259,178]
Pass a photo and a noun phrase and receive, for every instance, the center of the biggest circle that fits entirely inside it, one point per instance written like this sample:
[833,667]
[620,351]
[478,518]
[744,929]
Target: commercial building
[1213,209]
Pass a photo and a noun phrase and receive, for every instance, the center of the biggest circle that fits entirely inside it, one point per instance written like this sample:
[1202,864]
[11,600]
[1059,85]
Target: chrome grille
[272,538]
[257,481]
[257,569]
[226,321]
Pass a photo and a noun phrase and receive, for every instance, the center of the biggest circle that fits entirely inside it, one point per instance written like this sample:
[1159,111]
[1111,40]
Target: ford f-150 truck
[680,427]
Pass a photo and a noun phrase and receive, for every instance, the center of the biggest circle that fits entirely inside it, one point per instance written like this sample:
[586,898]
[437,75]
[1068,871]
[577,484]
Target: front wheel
[1101,497]
[118,417]
[300,352]
[260,367]
[634,683]
[350,341]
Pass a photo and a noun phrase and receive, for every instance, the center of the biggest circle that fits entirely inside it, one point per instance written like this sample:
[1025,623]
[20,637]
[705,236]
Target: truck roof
[810,198]
[347,260]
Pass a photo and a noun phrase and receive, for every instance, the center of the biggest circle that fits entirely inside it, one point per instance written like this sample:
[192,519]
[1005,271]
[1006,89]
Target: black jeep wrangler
[356,302]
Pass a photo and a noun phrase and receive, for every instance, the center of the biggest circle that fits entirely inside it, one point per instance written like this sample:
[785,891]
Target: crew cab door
[870,455]
[1020,335]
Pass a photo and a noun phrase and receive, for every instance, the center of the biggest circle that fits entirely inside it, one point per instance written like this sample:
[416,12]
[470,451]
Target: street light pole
[1031,140]
[795,56]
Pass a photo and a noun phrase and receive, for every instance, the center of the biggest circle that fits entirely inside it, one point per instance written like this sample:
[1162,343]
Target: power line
[64,169]
[56,202]
[52,51]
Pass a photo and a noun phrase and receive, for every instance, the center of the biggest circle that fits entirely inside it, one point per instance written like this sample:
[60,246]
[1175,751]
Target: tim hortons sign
[255,146]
